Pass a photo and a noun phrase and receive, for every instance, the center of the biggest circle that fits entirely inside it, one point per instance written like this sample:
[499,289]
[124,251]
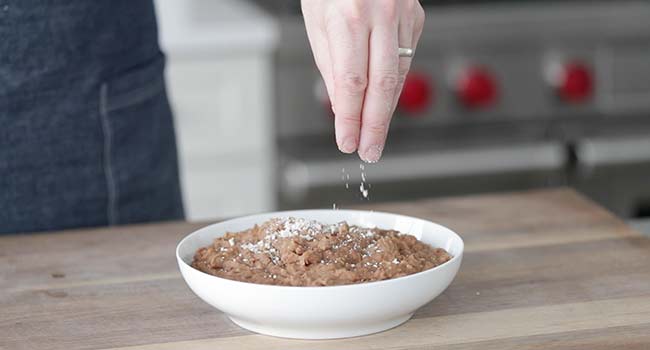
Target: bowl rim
[342,286]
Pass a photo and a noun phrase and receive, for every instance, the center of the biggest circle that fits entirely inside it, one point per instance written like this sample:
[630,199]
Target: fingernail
[371,154]
[348,145]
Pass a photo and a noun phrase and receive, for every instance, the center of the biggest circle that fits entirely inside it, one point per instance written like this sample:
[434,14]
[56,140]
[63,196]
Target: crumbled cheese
[253,247]
[363,190]
[285,228]
[298,228]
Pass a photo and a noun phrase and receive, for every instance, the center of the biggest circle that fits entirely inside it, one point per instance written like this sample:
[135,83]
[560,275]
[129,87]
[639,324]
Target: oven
[502,95]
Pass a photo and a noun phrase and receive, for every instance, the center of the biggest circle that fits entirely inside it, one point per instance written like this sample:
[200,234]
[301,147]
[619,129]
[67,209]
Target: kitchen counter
[542,269]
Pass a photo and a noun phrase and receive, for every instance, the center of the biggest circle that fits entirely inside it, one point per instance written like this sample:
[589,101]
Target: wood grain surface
[542,269]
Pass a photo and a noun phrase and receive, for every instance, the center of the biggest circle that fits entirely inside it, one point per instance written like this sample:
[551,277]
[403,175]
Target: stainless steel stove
[503,95]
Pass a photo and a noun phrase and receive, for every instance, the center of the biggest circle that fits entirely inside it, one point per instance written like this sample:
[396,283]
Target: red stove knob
[417,94]
[476,88]
[574,82]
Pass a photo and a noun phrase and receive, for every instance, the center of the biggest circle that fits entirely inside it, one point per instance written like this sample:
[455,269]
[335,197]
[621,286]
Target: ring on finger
[405,52]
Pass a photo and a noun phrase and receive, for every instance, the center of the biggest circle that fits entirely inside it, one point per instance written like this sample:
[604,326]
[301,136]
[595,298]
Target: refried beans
[299,252]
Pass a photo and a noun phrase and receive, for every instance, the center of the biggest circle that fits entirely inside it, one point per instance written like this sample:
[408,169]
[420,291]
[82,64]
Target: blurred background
[502,96]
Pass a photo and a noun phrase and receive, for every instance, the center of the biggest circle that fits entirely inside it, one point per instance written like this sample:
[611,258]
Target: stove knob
[417,94]
[574,82]
[476,88]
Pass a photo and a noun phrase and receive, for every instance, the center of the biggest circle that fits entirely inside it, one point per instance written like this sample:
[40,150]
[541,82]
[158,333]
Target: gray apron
[86,132]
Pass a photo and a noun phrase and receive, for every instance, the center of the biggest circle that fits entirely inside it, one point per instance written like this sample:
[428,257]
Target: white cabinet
[221,94]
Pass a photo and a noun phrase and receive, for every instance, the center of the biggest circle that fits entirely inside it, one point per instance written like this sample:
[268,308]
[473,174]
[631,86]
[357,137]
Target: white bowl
[323,312]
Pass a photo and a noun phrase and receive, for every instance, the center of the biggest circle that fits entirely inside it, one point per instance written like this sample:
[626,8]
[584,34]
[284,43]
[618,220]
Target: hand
[355,45]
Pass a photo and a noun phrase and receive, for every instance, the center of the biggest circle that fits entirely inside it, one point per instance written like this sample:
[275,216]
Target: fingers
[320,49]
[355,46]
[322,58]
[348,44]
[410,29]
[405,38]
[418,24]
[383,80]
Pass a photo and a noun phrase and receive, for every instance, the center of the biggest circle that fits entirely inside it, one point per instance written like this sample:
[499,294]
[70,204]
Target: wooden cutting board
[542,269]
